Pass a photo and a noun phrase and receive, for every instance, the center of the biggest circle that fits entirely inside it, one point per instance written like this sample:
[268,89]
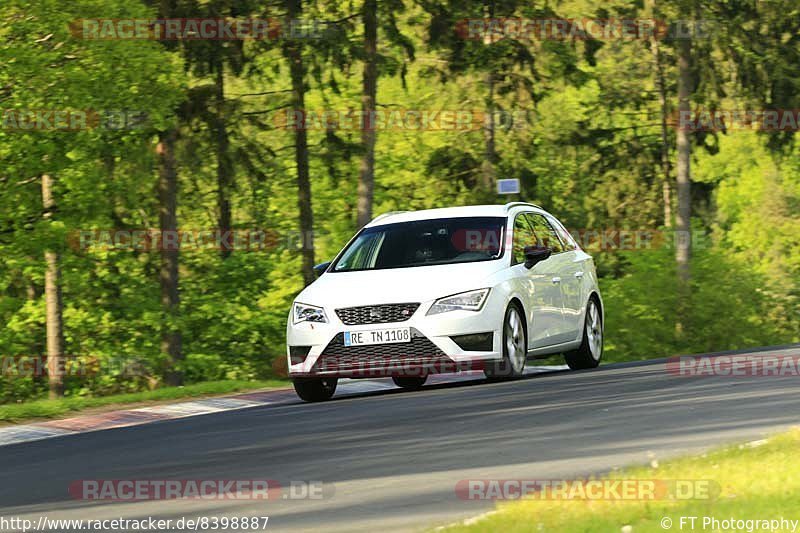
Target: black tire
[505,369]
[410,382]
[315,389]
[588,355]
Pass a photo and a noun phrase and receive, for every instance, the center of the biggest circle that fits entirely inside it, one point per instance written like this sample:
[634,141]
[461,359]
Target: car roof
[452,212]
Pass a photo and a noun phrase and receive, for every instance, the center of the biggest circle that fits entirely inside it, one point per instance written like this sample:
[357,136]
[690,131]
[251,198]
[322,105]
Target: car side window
[566,238]
[545,234]
[364,256]
[523,236]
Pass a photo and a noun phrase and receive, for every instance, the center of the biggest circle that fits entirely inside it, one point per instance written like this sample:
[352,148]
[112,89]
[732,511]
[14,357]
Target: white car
[414,293]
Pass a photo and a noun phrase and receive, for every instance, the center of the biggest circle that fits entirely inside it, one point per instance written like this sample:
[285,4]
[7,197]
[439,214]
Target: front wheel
[591,349]
[515,347]
[315,389]
[410,382]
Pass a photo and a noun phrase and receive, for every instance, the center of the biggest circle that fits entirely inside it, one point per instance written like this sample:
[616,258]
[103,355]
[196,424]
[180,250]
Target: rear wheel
[315,389]
[515,347]
[591,349]
[410,382]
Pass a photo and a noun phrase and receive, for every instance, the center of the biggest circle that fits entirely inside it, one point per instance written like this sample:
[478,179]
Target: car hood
[398,285]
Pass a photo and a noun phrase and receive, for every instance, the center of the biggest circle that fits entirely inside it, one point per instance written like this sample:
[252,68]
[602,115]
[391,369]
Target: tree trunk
[682,220]
[666,189]
[490,153]
[168,275]
[53,303]
[366,178]
[294,54]
[224,163]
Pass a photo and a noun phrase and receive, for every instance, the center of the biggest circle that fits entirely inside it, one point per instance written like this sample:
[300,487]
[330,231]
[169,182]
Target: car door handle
[556,280]
[578,274]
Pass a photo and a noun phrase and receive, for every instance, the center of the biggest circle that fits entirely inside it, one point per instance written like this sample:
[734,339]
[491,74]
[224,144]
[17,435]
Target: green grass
[56,408]
[753,482]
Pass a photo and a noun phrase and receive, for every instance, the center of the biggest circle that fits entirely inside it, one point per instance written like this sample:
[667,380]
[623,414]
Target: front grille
[419,353]
[376,314]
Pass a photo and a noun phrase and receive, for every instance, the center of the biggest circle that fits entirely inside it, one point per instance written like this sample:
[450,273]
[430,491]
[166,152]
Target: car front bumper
[431,350]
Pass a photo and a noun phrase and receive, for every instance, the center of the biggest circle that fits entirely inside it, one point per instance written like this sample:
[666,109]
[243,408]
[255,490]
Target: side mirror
[321,268]
[535,254]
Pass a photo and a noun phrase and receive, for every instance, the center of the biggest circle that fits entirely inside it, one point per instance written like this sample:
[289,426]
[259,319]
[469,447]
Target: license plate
[377,336]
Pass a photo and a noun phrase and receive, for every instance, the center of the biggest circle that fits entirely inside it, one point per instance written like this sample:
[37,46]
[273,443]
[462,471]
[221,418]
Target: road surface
[390,460]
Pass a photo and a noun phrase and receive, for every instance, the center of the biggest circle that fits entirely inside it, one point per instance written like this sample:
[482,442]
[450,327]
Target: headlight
[466,301]
[308,313]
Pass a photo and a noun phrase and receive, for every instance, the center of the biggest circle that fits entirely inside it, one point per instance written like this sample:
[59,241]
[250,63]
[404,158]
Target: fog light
[475,342]
[298,354]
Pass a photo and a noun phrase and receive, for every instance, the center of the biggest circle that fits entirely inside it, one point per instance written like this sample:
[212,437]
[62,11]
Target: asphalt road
[391,460]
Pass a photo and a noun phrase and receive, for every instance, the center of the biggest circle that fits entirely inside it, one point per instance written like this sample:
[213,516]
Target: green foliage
[731,307]
[580,129]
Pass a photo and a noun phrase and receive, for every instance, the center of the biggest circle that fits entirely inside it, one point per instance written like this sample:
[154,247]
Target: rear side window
[566,237]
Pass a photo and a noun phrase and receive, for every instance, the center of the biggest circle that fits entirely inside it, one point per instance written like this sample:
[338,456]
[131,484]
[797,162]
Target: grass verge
[37,409]
[756,481]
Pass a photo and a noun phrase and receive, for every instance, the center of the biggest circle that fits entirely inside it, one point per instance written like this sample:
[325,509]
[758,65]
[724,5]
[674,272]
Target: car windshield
[440,241]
